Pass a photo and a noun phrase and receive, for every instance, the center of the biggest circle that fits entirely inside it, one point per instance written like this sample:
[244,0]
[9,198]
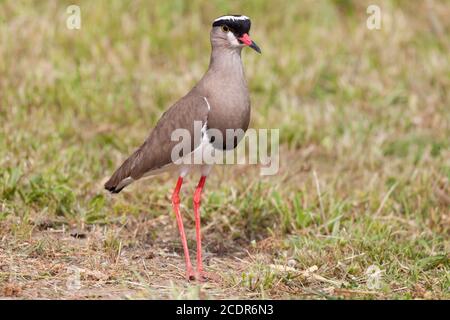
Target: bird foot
[204,276]
[190,275]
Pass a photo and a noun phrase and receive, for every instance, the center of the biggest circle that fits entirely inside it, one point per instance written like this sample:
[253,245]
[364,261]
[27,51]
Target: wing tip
[114,189]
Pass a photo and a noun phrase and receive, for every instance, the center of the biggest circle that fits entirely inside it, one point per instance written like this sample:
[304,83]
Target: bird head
[232,31]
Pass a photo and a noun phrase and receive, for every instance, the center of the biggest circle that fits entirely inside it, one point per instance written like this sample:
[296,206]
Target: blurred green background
[364,119]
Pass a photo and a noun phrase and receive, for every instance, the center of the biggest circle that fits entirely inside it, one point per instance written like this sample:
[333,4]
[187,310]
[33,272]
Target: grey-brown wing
[158,147]
[156,151]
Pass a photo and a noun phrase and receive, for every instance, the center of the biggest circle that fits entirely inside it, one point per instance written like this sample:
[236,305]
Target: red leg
[197,201]
[176,208]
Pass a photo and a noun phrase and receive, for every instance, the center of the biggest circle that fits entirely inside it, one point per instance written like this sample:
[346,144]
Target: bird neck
[226,61]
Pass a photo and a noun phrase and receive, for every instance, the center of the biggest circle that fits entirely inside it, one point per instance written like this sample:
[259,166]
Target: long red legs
[176,208]
[197,201]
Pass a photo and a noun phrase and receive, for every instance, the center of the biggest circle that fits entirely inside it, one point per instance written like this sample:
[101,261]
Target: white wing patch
[207,103]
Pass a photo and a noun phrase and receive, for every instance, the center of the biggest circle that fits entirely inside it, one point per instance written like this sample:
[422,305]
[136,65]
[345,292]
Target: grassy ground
[364,119]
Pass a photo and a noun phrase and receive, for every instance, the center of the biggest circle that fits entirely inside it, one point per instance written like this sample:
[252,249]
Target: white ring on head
[232,18]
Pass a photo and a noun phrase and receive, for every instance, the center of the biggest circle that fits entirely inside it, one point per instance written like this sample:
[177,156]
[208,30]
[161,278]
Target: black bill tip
[255,47]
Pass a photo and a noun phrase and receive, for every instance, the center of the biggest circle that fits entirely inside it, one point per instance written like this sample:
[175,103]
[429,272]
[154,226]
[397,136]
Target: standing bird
[219,101]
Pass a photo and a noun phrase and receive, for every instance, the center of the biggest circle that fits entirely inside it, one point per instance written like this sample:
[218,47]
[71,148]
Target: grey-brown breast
[228,114]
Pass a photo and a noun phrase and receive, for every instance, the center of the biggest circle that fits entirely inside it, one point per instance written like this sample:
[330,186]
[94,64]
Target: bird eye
[225,29]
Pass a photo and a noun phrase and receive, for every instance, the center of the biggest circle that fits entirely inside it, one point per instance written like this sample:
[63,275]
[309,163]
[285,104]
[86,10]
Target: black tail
[113,189]
[118,181]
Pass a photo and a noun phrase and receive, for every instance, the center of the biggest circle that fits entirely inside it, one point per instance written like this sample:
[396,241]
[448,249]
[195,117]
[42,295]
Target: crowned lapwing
[219,101]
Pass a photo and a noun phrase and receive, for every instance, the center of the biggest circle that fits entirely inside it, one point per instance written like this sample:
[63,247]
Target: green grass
[364,123]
